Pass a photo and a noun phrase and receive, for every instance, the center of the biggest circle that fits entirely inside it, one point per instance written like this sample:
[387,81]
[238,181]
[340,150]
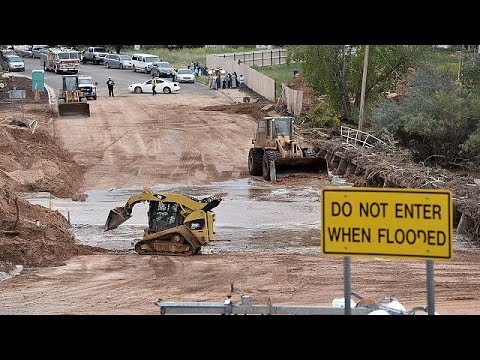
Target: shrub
[437,119]
[322,114]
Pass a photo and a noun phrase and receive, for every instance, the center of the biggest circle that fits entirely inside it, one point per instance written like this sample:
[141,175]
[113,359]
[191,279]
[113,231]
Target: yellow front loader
[71,100]
[276,153]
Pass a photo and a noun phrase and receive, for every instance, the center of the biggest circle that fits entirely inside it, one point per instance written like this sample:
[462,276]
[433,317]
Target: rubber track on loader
[166,246]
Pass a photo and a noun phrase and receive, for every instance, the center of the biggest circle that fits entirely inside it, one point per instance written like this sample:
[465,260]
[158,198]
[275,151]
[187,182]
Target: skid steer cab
[276,153]
[71,99]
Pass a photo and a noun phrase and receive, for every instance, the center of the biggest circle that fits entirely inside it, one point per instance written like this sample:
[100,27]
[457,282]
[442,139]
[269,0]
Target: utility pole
[364,85]
[460,66]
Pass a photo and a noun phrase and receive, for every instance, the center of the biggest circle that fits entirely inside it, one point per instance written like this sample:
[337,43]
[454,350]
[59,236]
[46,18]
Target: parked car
[143,62]
[184,75]
[5,52]
[26,51]
[94,54]
[162,69]
[12,63]
[118,61]
[164,86]
[36,49]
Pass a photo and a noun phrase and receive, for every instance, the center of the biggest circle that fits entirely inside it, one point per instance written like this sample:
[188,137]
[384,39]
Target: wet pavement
[254,216]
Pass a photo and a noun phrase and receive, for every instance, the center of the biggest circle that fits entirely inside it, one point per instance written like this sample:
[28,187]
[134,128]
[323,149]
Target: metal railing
[356,137]
[247,307]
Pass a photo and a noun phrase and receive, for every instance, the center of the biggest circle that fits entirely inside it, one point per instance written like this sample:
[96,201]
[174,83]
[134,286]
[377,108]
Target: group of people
[220,79]
[198,69]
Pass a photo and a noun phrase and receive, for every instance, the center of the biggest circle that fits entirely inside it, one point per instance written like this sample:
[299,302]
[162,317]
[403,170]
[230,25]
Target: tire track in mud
[140,141]
[163,266]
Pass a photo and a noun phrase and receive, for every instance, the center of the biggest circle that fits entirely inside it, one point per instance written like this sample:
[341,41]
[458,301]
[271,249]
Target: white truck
[88,86]
[60,60]
[94,54]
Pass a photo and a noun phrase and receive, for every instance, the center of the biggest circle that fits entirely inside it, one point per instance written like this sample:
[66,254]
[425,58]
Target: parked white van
[143,62]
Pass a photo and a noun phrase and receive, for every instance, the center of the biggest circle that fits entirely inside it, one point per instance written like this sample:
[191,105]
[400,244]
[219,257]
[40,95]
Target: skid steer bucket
[74,109]
[298,166]
[116,217]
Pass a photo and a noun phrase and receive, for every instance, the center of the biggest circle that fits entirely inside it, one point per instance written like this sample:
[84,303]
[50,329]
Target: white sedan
[164,86]
[184,75]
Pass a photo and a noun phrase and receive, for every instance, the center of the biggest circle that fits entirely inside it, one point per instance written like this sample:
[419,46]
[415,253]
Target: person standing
[154,85]
[225,80]
[241,81]
[110,85]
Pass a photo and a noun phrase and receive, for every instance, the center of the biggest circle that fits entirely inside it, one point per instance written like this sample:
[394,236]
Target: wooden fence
[293,99]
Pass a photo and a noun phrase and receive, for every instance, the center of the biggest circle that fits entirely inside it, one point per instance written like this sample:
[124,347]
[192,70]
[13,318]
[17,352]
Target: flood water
[254,215]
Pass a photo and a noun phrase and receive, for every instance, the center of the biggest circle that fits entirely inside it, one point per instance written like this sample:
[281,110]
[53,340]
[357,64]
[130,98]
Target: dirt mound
[21,83]
[34,161]
[252,109]
[32,235]
[30,160]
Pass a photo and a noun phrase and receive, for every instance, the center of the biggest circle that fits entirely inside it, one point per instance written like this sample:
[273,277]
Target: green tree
[438,119]
[336,71]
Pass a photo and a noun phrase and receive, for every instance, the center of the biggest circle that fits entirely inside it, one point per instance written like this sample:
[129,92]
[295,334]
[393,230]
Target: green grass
[281,73]
[446,61]
[180,58]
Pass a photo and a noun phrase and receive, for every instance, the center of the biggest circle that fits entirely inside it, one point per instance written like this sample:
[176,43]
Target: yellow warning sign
[387,222]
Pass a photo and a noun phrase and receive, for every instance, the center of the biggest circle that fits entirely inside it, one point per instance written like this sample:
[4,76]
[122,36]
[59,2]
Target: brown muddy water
[254,216]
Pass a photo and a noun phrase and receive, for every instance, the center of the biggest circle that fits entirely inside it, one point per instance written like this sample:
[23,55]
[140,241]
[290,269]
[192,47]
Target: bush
[437,120]
[322,114]
[472,146]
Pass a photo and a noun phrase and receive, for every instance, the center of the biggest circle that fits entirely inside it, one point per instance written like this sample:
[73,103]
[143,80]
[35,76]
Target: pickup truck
[94,54]
[88,86]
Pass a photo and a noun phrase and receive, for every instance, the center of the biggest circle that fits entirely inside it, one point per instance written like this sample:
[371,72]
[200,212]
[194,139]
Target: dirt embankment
[20,83]
[32,235]
[33,161]
[252,109]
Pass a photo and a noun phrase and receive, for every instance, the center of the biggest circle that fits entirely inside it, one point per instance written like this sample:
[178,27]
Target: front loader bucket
[299,166]
[116,217]
[74,109]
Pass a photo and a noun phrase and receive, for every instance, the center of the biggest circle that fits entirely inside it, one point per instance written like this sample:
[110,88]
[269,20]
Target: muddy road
[142,140]
[129,284]
[267,234]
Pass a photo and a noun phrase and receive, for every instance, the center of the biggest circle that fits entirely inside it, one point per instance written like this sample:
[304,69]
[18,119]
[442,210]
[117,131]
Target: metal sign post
[347,289]
[20,95]
[430,288]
